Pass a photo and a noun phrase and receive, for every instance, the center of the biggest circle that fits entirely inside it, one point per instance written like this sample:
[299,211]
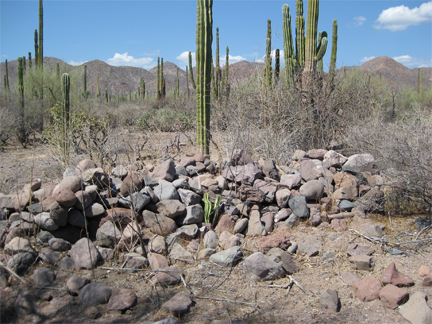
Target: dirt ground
[221,293]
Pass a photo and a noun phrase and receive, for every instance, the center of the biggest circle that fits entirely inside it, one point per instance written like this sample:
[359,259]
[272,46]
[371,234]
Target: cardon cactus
[268,59]
[40,53]
[289,55]
[66,115]
[30,60]
[204,39]
[21,133]
[191,71]
[36,46]
[332,69]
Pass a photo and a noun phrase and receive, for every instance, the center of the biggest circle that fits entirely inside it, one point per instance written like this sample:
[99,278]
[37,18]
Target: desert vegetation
[271,114]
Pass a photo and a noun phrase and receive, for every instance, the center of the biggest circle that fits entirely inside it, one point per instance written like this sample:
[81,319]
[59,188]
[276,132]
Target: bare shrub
[7,123]
[404,153]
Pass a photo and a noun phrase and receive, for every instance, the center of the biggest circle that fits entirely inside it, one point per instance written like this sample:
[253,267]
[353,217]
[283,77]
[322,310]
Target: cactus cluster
[311,49]
[204,38]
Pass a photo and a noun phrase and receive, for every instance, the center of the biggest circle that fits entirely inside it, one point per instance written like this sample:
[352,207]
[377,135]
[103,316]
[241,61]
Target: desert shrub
[403,150]
[166,120]
[7,123]
[272,124]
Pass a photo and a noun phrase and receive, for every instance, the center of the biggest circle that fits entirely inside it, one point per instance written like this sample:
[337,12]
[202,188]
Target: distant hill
[122,79]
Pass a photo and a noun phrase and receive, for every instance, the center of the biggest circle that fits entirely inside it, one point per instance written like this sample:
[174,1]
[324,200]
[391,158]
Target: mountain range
[122,79]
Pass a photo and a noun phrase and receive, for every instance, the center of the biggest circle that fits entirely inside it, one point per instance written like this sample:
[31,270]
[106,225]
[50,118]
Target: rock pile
[157,219]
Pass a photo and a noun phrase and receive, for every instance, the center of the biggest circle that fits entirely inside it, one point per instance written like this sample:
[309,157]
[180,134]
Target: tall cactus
[218,72]
[191,71]
[187,82]
[106,96]
[277,64]
[204,38]
[58,71]
[24,63]
[85,93]
[66,115]
[162,80]
[311,36]
[7,76]
[97,86]
[177,84]
[36,46]
[289,55]
[332,69]
[268,59]
[158,88]
[225,76]
[320,62]
[300,33]
[142,88]
[21,126]
[420,84]
[30,60]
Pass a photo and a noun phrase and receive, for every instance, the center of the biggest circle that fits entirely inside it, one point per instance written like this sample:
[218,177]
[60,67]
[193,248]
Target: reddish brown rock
[121,215]
[367,289]
[392,276]
[339,225]
[357,249]
[65,197]
[131,184]
[279,240]
[392,296]
[427,281]
[226,223]
[121,299]
[423,271]
[169,276]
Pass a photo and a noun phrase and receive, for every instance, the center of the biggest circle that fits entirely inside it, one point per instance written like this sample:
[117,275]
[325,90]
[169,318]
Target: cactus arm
[191,71]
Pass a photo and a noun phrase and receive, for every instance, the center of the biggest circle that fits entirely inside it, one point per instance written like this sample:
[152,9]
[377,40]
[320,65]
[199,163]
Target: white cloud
[183,59]
[358,21]
[76,63]
[154,53]
[413,62]
[273,56]
[125,59]
[232,59]
[401,17]
[367,58]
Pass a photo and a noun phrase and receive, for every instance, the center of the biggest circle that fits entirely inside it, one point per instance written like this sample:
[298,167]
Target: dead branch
[341,215]
[13,273]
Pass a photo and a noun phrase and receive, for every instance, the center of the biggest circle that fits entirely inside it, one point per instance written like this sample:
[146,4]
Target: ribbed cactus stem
[187,82]
[106,95]
[30,60]
[311,35]
[66,114]
[178,83]
[24,63]
[289,56]
[7,76]
[5,83]
[277,64]
[85,93]
[218,72]
[161,80]
[300,34]
[21,81]
[204,38]
[142,88]
[21,128]
[322,46]
[225,77]
[158,89]
[191,71]
[332,68]
[268,59]
[420,83]
[97,86]
[36,46]
[58,71]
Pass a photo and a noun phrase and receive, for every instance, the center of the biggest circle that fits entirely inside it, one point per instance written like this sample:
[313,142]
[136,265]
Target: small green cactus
[191,71]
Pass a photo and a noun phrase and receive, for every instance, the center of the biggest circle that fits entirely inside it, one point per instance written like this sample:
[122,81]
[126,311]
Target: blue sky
[137,32]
